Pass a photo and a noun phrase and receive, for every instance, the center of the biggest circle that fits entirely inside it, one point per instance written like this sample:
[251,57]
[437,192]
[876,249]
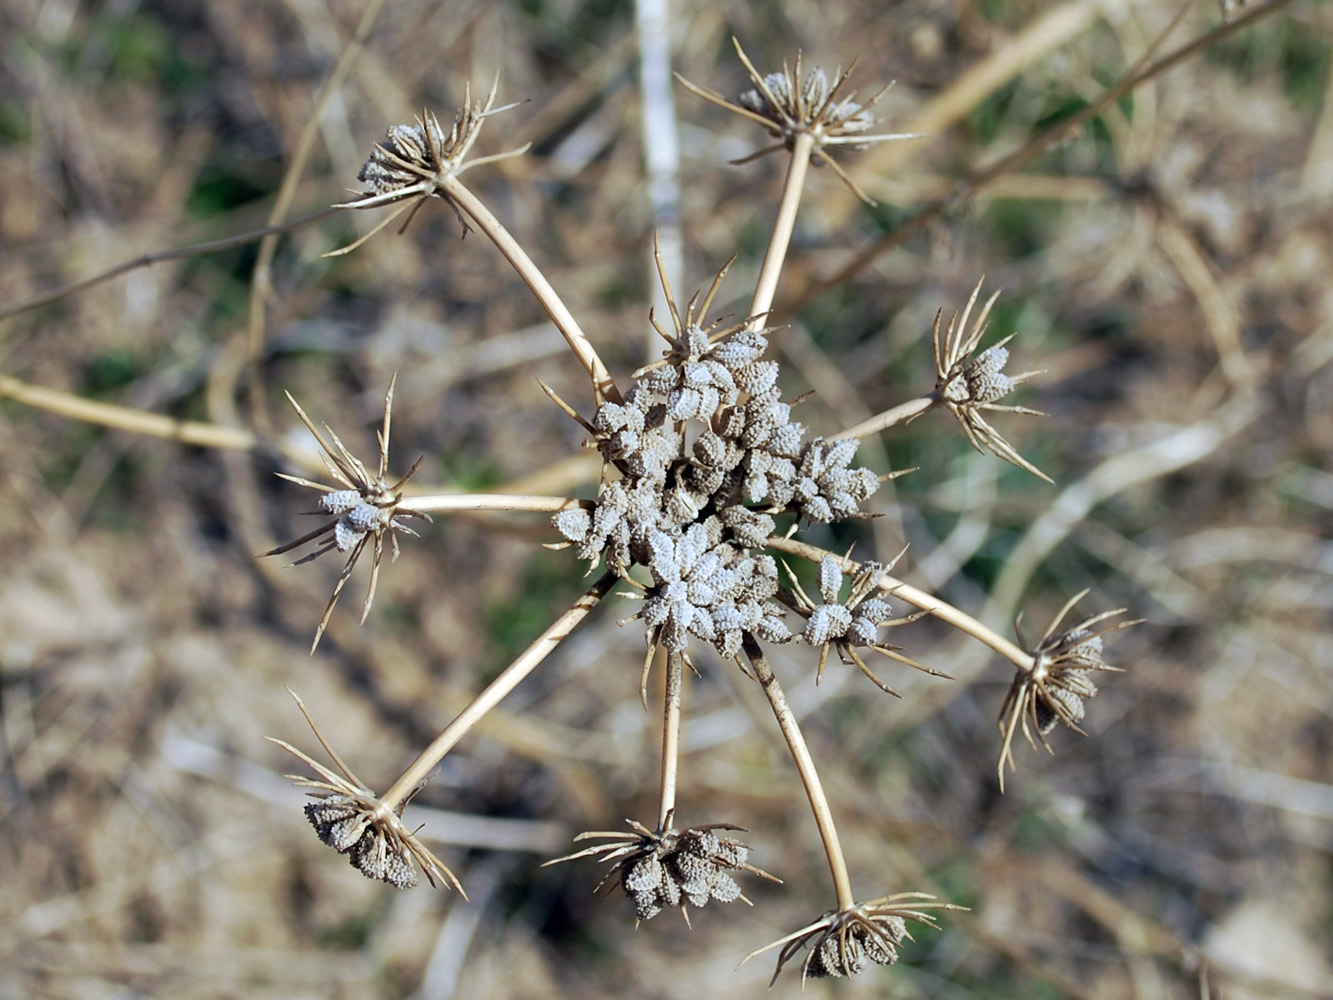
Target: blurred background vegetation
[1167,264]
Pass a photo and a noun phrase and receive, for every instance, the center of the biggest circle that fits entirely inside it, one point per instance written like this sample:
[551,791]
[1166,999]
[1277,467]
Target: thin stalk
[495,692]
[941,609]
[127,418]
[901,413]
[564,321]
[805,767]
[792,187]
[670,738]
[443,503]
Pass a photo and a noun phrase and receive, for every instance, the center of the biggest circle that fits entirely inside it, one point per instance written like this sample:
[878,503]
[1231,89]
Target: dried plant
[705,475]
[366,510]
[704,469]
[844,942]
[668,867]
[968,385]
[1059,682]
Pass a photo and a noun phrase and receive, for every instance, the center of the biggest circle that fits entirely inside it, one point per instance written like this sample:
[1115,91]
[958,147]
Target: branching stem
[670,737]
[471,206]
[805,767]
[941,609]
[792,187]
[126,418]
[901,413]
[496,692]
[443,503]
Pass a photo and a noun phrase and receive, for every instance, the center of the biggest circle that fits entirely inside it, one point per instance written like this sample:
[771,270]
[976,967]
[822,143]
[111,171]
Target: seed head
[669,868]
[851,622]
[793,103]
[351,819]
[412,162]
[366,509]
[844,942]
[968,385]
[1059,683]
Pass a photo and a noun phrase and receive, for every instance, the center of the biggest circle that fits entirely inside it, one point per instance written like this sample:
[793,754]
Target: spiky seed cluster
[365,507]
[699,456]
[794,103]
[844,624]
[412,159]
[1060,682]
[352,819]
[411,153]
[348,825]
[791,104]
[666,869]
[845,942]
[968,385]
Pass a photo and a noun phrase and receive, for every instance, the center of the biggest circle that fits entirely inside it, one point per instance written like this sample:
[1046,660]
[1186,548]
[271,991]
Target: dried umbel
[668,868]
[846,941]
[413,160]
[705,471]
[1059,682]
[366,510]
[700,455]
[351,819]
[419,161]
[798,107]
[845,624]
[968,385]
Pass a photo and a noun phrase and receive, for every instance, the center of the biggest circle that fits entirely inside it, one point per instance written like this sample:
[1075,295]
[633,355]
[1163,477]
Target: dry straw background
[1168,264]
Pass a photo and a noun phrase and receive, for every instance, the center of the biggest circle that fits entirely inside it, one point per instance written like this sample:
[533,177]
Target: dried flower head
[1059,682]
[854,621]
[669,867]
[793,103]
[351,819]
[365,507]
[968,385]
[412,162]
[843,942]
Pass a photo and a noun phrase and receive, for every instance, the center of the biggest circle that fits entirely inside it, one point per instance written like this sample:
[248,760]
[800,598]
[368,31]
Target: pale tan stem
[901,413]
[127,418]
[771,269]
[564,321]
[495,692]
[670,737]
[940,609]
[805,767]
[444,503]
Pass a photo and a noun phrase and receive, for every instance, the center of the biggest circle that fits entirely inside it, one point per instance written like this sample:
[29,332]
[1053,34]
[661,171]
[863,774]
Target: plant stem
[792,187]
[670,738]
[883,421]
[941,609]
[127,418]
[443,503]
[470,205]
[495,692]
[805,767]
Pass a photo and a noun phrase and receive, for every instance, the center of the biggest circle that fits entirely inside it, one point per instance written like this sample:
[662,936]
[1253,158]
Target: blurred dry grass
[1169,266]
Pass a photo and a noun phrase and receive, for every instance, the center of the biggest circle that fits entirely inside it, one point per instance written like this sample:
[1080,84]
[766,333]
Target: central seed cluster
[700,455]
